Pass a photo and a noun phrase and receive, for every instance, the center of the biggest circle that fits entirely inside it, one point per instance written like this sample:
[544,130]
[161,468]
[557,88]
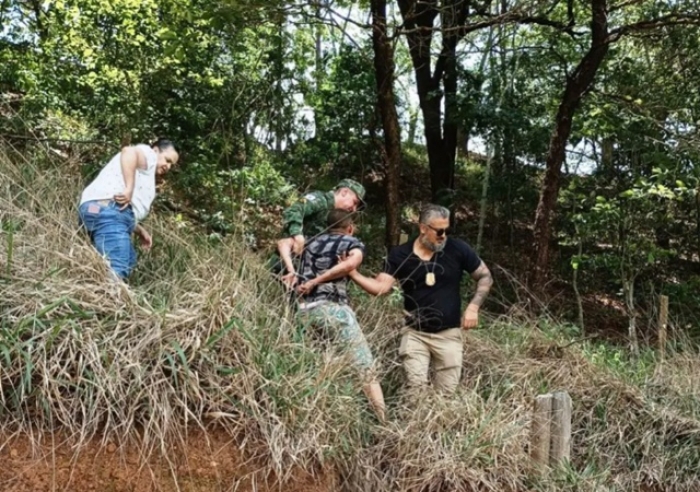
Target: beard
[434,247]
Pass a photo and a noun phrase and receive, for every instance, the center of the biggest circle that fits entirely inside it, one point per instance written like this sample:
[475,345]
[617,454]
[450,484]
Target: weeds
[206,340]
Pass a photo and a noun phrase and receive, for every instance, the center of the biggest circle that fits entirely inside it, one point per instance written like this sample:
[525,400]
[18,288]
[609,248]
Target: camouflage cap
[356,187]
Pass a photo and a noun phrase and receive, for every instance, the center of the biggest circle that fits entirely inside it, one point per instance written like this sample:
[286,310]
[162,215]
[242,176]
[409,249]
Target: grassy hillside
[204,342]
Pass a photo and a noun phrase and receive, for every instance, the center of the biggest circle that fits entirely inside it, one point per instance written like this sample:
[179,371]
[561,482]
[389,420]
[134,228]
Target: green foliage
[345,118]
[268,98]
[636,370]
[345,101]
[260,184]
[619,229]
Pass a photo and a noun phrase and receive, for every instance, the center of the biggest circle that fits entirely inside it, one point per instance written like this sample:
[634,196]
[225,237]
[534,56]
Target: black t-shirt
[438,307]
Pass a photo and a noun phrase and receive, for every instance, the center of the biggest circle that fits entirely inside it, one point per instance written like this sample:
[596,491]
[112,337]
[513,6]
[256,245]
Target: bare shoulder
[137,151]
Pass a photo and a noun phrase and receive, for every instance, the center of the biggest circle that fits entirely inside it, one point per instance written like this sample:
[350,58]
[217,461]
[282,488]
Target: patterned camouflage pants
[338,323]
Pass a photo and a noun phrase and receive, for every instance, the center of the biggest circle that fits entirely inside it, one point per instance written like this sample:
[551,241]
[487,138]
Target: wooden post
[663,323]
[560,446]
[540,431]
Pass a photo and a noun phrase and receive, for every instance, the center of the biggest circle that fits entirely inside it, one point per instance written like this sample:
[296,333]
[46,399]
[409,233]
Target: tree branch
[450,36]
[39,14]
[622,5]
[647,25]
[546,22]
[511,17]
[420,13]
[337,15]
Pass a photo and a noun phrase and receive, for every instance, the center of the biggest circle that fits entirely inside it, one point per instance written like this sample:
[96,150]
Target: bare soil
[211,463]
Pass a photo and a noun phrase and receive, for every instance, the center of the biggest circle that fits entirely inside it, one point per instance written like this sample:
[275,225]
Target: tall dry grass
[204,339]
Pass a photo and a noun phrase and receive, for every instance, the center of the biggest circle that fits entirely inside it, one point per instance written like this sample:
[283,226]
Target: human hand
[124,198]
[298,246]
[307,287]
[289,280]
[471,317]
[145,238]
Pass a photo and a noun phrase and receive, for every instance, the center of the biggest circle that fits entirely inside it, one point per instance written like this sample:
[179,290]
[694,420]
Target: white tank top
[110,182]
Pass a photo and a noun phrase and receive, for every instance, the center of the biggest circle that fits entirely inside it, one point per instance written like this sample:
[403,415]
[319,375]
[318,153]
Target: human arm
[484,281]
[144,236]
[284,248]
[298,242]
[130,159]
[347,264]
[377,286]
[293,217]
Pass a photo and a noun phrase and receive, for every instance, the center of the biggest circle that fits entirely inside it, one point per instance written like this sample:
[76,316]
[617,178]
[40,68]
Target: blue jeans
[110,231]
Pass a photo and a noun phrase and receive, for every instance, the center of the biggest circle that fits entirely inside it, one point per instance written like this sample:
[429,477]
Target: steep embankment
[197,378]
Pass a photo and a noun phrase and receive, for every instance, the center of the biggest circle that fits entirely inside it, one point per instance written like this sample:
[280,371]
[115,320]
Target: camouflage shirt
[308,216]
[320,255]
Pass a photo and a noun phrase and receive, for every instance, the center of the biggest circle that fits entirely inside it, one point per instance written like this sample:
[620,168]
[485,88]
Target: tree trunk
[607,162]
[318,42]
[483,206]
[412,126]
[279,98]
[462,141]
[452,17]
[577,293]
[577,85]
[384,73]
[418,20]
[39,19]
[697,220]
[430,104]
[628,289]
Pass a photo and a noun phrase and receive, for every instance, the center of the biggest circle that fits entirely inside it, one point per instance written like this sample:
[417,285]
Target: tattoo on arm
[484,280]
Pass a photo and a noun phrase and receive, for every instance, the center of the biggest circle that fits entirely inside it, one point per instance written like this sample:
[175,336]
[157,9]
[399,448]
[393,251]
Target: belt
[313,304]
[104,203]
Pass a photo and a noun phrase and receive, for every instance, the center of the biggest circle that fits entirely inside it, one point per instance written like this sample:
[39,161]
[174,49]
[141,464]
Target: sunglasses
[438,232]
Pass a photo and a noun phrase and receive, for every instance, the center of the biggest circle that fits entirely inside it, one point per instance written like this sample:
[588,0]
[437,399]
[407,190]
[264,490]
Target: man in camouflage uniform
[307,218]
[325,263]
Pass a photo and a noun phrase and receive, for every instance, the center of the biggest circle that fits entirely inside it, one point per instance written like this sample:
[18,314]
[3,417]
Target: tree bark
[418,20]
[628,288]
[412,125]
[384,73]
[441,80]
[453,15]
[607,161]
[577,85]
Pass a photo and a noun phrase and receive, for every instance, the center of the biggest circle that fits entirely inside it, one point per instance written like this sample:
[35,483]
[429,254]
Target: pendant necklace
[430,276]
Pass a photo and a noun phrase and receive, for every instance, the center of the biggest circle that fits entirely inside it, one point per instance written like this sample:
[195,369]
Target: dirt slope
[211,463]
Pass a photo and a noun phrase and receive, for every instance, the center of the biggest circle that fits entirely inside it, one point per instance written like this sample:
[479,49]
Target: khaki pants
[445,348]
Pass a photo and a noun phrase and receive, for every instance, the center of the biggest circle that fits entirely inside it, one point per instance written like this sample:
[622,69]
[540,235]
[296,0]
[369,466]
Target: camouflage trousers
[338,323]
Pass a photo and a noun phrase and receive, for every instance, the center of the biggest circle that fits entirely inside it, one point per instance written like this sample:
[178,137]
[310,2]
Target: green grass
[205,339]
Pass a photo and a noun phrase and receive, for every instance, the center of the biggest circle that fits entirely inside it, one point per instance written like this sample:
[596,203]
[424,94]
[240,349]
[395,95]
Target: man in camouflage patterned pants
[321,283]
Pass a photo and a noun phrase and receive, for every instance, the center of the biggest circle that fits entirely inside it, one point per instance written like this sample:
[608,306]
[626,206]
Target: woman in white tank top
[120,197]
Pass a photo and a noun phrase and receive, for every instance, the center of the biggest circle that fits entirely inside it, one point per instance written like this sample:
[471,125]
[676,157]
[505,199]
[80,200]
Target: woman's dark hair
[164,144]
